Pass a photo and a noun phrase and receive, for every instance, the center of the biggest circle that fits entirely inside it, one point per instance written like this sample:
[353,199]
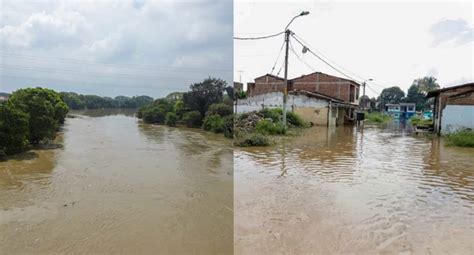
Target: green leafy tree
[392,95]
[72,100]
[426,84]
[171,119]
[203,94]
[418,91]
[14,129]
[192,119]
[220,109]
[179,108]
[45,108]
[415,96]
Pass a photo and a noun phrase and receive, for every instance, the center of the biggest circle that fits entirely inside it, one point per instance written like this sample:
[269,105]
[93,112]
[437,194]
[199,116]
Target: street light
[287,40]
[303,13]
[364,84]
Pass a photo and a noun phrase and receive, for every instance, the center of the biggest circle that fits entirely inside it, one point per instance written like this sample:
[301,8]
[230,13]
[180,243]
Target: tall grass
[376,117]
[416,121]
[462,138]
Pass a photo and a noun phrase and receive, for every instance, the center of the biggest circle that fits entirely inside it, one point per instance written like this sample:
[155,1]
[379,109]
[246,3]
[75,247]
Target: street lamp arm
[303,13]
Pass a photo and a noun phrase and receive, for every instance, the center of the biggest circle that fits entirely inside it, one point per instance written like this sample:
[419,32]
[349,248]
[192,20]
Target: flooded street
[118,186]
[354,190]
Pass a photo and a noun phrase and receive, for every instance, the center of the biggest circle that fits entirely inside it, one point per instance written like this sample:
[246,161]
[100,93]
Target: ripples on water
[367,189]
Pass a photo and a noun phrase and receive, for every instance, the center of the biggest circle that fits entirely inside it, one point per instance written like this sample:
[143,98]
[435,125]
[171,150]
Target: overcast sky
[110,48]
[391,42]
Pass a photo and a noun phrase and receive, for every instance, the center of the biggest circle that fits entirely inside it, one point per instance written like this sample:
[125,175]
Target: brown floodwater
[353,190]
[118,186]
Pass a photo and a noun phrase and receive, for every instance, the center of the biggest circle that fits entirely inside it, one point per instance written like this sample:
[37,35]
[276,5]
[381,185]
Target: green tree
[14,129]
[45,108]
[426,84]
[171,119]
[203,94]
[220,109]
[72,100]
[192,119]
[392,95]
[179,109]
[415,96]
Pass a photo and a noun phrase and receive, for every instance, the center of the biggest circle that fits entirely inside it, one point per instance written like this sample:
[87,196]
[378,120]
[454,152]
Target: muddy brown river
[354,191]
[118,186]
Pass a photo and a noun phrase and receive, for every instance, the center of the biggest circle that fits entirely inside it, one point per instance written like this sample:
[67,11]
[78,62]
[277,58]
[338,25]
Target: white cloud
[127,32]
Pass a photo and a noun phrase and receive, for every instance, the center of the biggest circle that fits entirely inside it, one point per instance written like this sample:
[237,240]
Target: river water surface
[352,190]
[118,186]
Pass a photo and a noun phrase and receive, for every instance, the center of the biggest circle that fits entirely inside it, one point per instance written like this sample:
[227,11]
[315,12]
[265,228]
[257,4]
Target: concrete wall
[317,116]
[310,109]
[456,117]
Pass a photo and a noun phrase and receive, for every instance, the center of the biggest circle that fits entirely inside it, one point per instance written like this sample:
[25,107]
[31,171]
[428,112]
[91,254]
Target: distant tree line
[415,94]
[30,116]
[78,102]
[207,105]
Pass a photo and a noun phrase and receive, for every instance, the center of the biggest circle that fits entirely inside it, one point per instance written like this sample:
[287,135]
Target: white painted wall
[456,117]
[275,100]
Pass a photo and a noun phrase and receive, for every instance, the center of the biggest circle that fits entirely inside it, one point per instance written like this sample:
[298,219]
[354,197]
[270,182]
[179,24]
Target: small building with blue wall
[400,111]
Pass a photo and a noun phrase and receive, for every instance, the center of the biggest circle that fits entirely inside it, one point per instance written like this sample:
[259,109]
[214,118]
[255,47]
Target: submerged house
[319,98]
[402,111]
[453,108]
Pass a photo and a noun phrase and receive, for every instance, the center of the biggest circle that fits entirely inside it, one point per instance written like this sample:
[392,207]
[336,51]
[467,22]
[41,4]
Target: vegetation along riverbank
[258,127]
[29,117]
[207,105]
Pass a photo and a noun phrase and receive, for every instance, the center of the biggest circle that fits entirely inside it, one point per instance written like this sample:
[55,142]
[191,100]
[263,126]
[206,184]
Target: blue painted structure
[402,111]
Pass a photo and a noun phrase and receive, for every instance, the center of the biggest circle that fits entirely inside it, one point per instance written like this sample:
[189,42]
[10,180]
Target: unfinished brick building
[333,86]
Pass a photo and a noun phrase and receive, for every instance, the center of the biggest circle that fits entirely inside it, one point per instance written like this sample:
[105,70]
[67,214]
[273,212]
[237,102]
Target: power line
[373,90]
[299,58]
[327,63]
[360,78]
[329,60]
[259,37]
[128,66]
[69,71]
[279,53]
[115,85]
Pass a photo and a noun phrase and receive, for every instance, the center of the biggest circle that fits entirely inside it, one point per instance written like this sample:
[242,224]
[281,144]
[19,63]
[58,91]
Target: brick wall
[333,86]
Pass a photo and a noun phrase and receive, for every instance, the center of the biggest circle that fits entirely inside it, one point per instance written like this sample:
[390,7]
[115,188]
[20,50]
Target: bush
[416,121]
[275,114]
[214,123]
[153,114]
[462,138]
[377,117]
[171,119]
[220,109]
[229,126]
[192,119]
[295,120]
[254,140]
[267,127]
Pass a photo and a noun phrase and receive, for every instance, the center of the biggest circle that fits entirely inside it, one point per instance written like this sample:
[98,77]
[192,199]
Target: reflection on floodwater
[362,190]
[119,186]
